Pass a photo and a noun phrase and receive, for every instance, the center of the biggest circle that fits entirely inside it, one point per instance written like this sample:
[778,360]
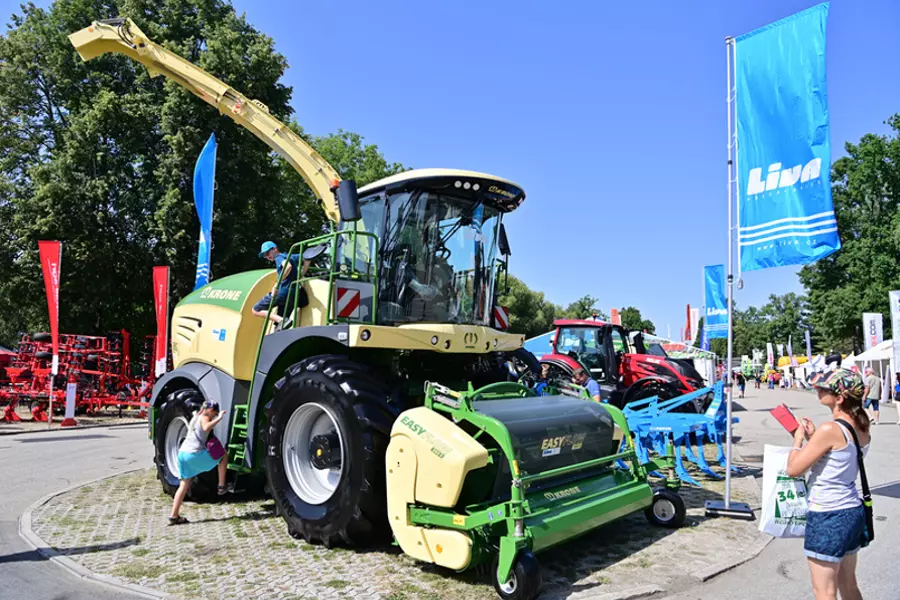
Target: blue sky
[611,115]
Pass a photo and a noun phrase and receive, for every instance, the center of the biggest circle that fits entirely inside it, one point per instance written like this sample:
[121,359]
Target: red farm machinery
[100,366]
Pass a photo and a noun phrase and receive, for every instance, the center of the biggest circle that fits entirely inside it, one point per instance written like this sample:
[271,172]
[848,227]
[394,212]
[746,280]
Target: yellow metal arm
[124,37]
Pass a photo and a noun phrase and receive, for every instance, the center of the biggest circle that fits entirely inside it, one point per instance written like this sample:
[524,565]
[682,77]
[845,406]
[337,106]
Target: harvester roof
[502,193]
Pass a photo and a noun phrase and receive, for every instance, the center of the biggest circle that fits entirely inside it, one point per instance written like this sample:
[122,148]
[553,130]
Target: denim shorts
[264,303]
[832,535]
[873,402]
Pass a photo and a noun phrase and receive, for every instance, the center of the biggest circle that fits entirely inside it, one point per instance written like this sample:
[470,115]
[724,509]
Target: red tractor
[619,363]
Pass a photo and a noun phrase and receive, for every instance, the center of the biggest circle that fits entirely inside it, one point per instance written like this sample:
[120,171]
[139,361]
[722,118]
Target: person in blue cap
[289,265]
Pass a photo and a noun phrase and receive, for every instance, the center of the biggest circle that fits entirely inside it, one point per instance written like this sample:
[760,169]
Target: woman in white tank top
[835,523]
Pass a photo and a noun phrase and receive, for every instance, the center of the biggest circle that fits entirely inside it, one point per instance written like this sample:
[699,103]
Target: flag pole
[727,508]
[729,52]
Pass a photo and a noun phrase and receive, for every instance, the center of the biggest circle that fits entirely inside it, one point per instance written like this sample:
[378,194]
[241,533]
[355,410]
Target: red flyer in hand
[784,416]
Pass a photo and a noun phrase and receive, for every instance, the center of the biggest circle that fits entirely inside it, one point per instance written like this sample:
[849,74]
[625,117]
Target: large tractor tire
[169,431]
[329,424]
[661,390]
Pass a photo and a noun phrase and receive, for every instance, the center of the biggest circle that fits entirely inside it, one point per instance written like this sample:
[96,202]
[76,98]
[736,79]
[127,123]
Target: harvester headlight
[458,184]
[447,344]
[365,335]
[467,185]
[476,187]
[434,340]
[495,342]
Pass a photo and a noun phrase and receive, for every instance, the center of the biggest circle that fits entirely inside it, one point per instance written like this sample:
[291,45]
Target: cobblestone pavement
[109,416]
[240,549]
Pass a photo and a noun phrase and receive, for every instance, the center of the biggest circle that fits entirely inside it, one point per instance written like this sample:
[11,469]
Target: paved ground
[780,571]
[36,464]
[240,549]
[106,417]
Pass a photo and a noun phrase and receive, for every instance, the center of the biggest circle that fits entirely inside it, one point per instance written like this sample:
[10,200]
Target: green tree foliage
[101,157]
[584,308]
[529,312]
[857,279]
[633,321]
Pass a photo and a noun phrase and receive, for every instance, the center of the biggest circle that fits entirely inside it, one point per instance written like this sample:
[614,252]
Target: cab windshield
[438,256]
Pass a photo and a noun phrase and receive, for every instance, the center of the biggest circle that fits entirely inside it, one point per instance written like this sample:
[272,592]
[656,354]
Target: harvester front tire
[525,581]
[330,397]
[667,509]
[176,412]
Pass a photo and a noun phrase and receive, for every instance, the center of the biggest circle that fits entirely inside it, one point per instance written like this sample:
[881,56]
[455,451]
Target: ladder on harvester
[237,443]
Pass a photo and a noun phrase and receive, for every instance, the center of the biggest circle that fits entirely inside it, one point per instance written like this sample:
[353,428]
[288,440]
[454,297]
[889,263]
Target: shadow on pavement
[35,556]
[890,490]
[55,438]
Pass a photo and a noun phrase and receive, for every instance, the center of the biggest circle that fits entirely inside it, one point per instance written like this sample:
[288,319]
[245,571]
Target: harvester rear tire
[180,405]
[355,404]
[667,509]
[525,581]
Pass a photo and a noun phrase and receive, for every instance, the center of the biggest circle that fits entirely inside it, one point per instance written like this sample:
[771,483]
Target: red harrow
[100,366]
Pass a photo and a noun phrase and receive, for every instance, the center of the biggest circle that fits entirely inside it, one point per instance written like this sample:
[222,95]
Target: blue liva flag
[204,184]
[786,215]
[715,321]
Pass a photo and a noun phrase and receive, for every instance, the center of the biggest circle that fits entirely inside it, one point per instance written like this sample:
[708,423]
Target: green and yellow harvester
[383,408]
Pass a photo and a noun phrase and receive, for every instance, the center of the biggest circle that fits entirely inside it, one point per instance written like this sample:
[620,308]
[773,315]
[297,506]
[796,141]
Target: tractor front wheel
[329,423]
[170,429]
[525,579]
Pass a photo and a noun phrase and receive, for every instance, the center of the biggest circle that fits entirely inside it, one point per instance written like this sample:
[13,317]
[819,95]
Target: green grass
[338,584]
[138,570]
[141,552]
[181,578]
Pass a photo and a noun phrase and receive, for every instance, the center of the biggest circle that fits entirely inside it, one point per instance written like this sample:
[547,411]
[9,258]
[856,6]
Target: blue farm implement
[655,422]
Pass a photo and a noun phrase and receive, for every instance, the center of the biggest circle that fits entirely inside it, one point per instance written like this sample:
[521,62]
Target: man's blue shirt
[294,260]
[592,387]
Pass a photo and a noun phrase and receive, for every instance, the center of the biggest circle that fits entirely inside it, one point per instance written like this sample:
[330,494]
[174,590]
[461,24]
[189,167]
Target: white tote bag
[784,499]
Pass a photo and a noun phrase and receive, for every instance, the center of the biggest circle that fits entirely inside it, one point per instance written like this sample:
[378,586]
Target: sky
[611,116]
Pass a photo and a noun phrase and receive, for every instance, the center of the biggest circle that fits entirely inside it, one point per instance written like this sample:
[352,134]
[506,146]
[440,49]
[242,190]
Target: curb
[708,573]
[44,549]
[762,541]
[76,428]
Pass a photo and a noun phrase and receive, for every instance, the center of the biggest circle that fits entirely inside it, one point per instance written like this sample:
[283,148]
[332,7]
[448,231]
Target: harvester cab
[401,294]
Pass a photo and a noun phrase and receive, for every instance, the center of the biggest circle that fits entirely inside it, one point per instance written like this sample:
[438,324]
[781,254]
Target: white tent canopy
[883,351]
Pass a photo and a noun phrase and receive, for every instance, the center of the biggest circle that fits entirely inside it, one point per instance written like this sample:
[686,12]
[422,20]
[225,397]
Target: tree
[101,157]
[584,308]
[632,320]
[856,279]
[529,312]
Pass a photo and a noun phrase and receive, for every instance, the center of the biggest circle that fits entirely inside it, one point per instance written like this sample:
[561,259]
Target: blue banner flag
[204,184]
[786,216]
[704,343]
[715,322]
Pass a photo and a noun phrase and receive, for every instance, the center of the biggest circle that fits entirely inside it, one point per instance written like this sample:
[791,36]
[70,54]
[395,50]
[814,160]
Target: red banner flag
[161,302]
[51,259]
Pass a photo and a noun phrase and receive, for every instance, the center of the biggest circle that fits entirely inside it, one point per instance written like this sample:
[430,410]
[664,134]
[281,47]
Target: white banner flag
[770,354]
[872,329]
[895,326]
[780,349]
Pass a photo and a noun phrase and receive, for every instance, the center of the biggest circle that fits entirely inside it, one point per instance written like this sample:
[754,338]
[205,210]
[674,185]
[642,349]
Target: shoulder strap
[867,496]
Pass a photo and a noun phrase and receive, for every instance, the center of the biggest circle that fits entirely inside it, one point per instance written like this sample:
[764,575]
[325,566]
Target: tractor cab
[619,362]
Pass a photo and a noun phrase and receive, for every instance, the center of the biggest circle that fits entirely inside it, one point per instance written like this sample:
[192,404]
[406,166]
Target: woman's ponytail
[853,405]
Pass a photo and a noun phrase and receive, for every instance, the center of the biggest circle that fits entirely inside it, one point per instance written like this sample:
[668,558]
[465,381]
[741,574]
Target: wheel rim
[175,434]
[313,485]
[511,584]
[664,510]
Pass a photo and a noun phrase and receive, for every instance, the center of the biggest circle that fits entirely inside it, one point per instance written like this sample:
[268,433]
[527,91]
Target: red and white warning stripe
[348,303]
[501,317]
